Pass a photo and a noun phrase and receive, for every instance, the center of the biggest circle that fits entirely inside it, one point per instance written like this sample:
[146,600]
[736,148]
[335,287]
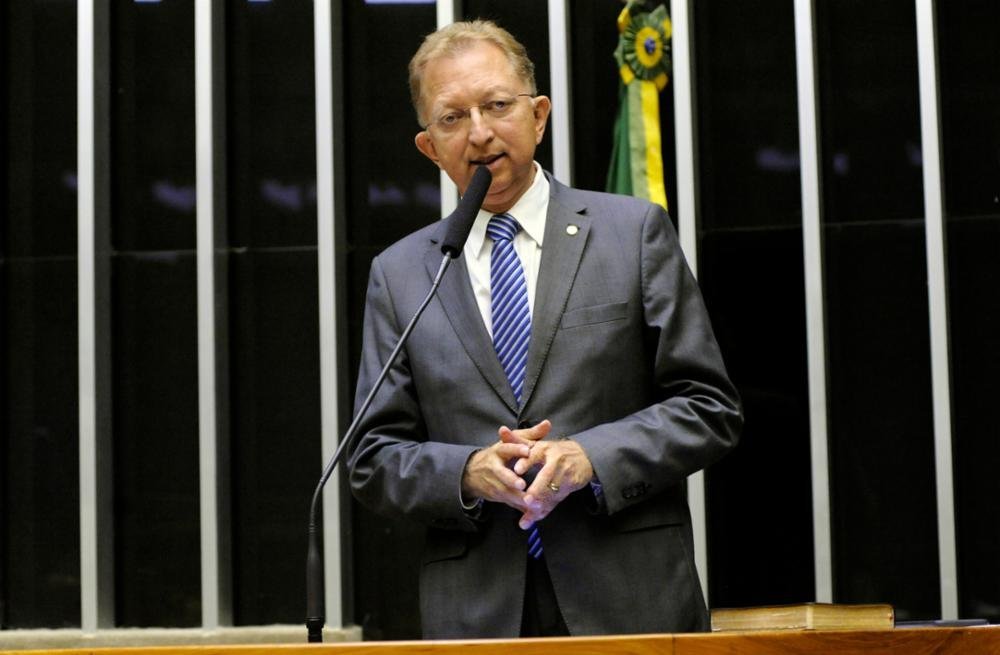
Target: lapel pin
[572,230]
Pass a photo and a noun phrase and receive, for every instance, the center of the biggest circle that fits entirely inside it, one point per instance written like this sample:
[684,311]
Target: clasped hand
[498,473]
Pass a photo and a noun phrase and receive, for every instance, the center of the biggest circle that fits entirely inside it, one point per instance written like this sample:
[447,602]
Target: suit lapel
[566,233]
[455,295]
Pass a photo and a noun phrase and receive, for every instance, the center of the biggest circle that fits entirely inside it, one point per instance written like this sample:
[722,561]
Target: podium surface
[943,641]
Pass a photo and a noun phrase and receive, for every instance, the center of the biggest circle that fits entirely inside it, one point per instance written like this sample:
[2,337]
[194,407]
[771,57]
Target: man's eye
[497,105]
[449,119]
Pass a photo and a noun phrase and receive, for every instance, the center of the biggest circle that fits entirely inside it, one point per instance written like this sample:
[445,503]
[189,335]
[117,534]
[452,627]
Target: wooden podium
[944,641]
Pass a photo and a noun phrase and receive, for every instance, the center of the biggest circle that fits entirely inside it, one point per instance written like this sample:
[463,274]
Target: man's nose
[479,126]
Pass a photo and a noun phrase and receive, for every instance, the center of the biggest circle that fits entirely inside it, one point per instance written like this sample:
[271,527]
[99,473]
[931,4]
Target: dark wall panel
[594,84]
[154,315]
[273,317]
[392,190]
[880,418]
[39,416]
[970,94]
[157,527]
[275,422]
[39,481]
[751,271]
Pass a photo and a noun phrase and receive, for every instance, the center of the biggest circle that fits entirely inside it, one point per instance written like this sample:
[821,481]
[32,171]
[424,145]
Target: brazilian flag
[643,56]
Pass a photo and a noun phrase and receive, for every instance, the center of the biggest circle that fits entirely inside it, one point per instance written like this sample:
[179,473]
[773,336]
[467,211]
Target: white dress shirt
[529,211]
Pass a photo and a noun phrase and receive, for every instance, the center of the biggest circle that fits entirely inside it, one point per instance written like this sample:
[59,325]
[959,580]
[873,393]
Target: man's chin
[497,208]
[496,198]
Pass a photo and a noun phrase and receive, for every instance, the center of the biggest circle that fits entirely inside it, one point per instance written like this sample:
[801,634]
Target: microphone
[459,225]
[460,221]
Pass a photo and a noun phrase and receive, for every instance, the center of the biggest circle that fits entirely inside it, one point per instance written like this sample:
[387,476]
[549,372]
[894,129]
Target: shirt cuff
[472,509]
[598,489]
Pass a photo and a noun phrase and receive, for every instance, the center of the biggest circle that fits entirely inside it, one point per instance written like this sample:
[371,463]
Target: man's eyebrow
[487,95]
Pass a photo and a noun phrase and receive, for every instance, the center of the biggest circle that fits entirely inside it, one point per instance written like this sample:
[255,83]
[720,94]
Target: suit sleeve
[394,468]
[696,416]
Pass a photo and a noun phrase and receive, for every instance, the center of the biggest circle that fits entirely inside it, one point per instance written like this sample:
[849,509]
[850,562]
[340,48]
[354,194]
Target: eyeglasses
[457,121]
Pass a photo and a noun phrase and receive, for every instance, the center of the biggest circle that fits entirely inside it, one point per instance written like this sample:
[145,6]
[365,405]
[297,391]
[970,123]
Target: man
[546,453]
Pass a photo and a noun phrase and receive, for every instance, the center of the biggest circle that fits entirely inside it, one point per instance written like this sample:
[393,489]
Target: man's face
[501,137]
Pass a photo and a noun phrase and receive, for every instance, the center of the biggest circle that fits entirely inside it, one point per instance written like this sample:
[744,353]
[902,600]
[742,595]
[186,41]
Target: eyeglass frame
[466,113]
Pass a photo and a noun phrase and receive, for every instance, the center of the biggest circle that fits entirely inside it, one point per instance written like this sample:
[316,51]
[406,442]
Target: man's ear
[426,146]
[542,107]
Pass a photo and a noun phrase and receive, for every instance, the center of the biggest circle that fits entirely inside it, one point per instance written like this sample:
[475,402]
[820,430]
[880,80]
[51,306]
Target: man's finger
[535,456]
[535,509]
[511,499]
[509,436]
[536,432]
[511,480]
[547,486]
[504,487]
[508,451]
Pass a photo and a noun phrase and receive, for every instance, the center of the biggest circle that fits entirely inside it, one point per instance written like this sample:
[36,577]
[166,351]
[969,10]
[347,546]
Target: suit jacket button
[523,424]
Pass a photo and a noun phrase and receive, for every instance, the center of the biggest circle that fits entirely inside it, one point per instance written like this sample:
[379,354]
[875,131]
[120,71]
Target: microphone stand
[315,602]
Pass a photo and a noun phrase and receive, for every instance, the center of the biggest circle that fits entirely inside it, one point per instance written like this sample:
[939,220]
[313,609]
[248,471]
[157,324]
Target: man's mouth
[486,161]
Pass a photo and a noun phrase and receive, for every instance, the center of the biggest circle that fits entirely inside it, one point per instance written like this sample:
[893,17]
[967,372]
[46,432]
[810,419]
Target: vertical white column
[326,252]
[686,210]
[559,77]
[447,14]
[93,298]
[930,136]
[85,275]
[216,595]
[805,59]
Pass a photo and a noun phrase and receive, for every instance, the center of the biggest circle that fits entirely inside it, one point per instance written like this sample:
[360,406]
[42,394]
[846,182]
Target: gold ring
[554,487]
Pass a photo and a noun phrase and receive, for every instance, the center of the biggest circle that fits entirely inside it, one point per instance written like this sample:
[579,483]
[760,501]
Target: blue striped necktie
[511,317]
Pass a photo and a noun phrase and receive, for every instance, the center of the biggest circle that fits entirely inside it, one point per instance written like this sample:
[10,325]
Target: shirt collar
[529,211]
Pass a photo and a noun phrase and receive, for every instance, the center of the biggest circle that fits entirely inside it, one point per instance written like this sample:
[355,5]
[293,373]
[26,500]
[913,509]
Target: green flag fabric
[643,56]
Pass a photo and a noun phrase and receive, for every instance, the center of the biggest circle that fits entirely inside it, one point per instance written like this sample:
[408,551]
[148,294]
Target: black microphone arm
[459,224]
[315,612]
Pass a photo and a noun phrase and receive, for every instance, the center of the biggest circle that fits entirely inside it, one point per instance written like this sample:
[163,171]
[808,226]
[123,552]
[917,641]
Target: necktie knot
[502,227]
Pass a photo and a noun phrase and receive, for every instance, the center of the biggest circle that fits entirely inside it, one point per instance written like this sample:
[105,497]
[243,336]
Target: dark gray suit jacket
[622,359]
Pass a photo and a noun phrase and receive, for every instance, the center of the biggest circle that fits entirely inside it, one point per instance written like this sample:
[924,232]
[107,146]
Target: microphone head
[460,221]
